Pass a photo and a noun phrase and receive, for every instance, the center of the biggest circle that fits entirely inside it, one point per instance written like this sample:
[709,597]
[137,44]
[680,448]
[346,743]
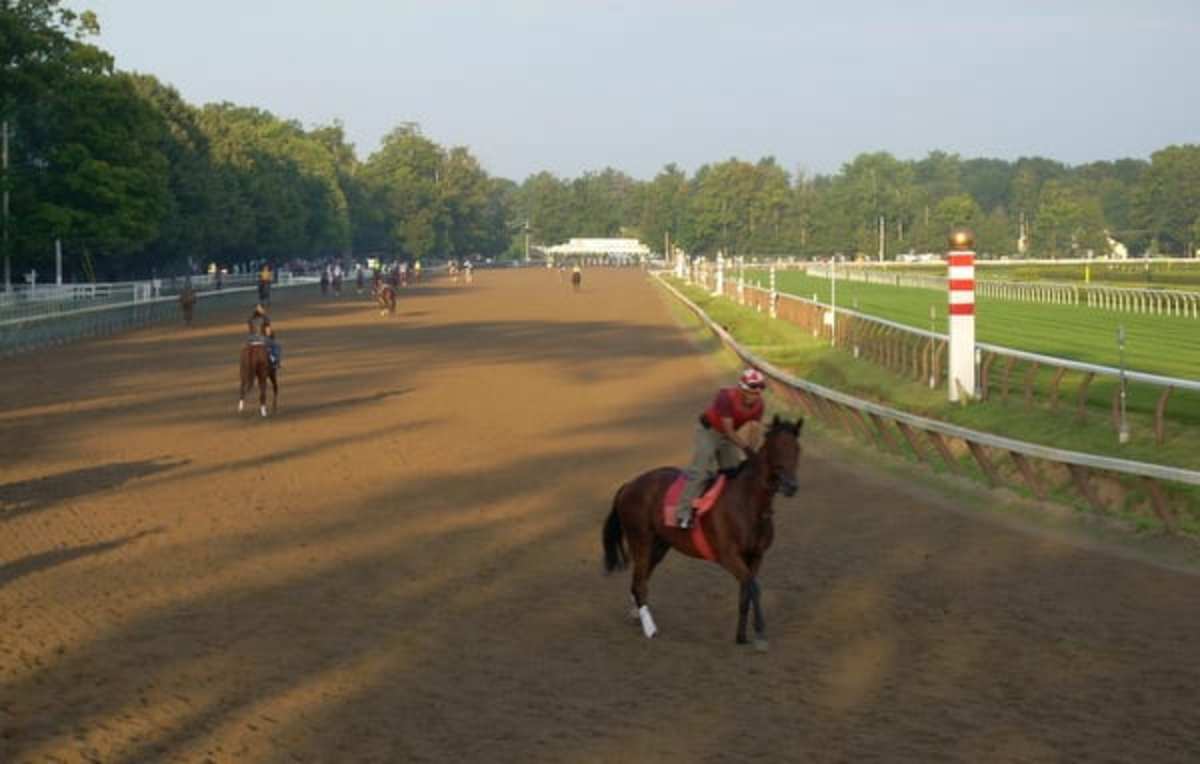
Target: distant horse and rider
[385,298]
[260,361]
[187,301]
[265,277]
[733,527]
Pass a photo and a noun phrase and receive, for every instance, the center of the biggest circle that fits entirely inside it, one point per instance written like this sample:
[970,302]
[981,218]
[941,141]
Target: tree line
[132,178]
[1052,209]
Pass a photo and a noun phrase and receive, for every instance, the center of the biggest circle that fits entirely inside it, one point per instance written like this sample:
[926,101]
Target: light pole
[4,242]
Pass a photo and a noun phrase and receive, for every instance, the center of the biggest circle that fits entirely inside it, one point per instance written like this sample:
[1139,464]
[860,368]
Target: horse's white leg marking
[241,405]
[648,627]
[262,410]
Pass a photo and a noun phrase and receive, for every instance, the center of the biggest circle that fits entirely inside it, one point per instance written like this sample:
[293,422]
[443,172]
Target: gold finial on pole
[962,238]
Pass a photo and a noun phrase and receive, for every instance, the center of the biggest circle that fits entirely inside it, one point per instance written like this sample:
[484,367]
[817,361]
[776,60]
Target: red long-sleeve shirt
[728,404]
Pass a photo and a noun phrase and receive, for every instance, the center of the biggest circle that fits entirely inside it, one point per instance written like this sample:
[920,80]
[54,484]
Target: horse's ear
[775,422]
[799,426]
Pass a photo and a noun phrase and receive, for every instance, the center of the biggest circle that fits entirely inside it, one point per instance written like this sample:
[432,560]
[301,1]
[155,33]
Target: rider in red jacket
[732,423]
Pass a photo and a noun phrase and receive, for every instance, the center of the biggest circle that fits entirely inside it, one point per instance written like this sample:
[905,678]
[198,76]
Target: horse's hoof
[241,406]
[263,411]
[760,645]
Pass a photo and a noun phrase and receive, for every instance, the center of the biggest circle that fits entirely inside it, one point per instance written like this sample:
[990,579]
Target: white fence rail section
[988,353]
[1163,302]
[878,423]
[27,301]
[120,311]
[1045,360]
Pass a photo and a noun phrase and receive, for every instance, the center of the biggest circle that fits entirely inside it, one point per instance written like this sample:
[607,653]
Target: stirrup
[685,523]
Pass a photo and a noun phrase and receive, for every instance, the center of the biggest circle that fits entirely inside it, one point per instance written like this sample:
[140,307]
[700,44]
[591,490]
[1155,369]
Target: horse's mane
[783,425]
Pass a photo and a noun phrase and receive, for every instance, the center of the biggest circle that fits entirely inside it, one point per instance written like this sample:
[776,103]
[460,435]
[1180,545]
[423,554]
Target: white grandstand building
[612,250]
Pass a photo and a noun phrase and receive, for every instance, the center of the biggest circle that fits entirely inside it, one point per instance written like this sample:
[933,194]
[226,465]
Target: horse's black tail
[614,548]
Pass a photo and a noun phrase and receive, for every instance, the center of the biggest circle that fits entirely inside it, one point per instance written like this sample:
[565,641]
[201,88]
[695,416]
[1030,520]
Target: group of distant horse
[255,361]
[734,530]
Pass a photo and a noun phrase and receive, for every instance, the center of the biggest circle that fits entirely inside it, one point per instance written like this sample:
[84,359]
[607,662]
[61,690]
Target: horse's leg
[262,386]
[658,551]
[274,392]
[640,542]
[245,382]
[743,610]
[748,595]
[760,623]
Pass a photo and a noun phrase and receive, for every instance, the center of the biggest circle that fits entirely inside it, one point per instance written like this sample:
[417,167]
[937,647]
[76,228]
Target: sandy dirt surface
[404,564]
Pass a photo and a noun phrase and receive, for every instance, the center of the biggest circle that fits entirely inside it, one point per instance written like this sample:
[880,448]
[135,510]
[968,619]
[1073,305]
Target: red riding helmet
[752,379]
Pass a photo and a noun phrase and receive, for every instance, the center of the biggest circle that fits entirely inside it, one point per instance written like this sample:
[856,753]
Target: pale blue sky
[578,85]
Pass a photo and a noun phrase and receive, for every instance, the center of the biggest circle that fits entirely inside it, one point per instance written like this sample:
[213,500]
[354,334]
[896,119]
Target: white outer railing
[877,422]
[18,335]
[1163,302]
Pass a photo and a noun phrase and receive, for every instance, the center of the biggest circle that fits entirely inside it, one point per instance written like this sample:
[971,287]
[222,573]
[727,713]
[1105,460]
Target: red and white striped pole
[961,260]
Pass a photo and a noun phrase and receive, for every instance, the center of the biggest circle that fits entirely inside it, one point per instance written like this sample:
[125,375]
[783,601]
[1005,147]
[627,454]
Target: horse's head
[781,449]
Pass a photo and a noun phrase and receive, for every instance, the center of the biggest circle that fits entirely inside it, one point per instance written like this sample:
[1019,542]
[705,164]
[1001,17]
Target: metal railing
[25,333]
[1034,466]
[922,354]
[1162,302]
[28,301]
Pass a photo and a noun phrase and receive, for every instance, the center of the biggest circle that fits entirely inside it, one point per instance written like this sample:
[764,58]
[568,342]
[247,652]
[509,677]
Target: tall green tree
[1168,195]
[1069,222]
[664,208]
[405,172]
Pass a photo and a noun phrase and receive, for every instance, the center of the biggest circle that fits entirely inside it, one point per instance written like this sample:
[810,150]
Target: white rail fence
[1163,302]
[120,311]
[27,301]
[1000,461]
[922,354]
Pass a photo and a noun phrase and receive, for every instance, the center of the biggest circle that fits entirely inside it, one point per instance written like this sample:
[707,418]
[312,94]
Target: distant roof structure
[615,248]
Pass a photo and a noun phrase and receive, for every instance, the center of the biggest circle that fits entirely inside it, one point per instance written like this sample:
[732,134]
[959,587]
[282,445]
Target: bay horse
[738,529]
[257,365]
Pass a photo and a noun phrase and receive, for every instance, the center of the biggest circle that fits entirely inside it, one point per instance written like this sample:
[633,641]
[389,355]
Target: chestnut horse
[256,365]
[385,297]
[739,527]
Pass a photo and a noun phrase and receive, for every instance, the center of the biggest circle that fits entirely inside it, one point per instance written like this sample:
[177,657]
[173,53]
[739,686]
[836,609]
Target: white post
[58,261]
[833,301]
[720,286]
[961,283]
[774,294]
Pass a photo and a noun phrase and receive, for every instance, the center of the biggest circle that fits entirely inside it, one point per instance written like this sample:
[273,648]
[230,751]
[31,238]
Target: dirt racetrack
[404,564]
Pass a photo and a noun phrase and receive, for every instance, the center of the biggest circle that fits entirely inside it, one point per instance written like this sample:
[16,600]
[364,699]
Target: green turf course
[811,358]
[1166,345]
